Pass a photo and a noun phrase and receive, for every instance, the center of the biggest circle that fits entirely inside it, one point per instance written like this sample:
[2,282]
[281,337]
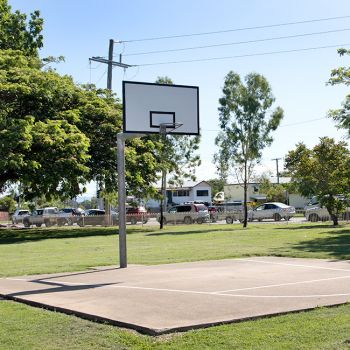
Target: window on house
[202,193]
[181,193]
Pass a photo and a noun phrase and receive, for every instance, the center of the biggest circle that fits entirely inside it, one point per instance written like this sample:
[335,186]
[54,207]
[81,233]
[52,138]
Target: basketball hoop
[163,127]
[147,106]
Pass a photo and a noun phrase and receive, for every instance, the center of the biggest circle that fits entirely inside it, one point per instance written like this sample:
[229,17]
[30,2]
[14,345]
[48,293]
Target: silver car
[46,216]
[318,213]
[187,214]
[272,210]
[18,215]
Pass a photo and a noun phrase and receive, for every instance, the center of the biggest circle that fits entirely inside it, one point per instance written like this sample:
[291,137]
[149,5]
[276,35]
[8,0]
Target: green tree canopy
[324,171]
[245,124]
[55,135]
[273,192]
[7,203]
[341,75]
[17,33]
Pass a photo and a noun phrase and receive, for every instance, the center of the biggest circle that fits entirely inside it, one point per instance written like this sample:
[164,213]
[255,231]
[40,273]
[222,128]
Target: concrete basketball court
[176,297]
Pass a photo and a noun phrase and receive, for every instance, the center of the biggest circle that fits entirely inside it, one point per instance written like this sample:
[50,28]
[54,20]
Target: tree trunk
[334,218]
[245,221]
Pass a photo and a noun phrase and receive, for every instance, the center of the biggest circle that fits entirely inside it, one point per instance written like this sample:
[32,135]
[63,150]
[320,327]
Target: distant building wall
[4,216]
[235,192]
[297,200]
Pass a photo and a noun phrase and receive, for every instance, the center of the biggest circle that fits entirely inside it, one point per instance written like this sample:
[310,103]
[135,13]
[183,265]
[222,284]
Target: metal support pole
[121,200]
[163,206]
[121,137]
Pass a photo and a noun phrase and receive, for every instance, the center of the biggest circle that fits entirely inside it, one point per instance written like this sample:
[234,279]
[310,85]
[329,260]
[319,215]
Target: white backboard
[146,106]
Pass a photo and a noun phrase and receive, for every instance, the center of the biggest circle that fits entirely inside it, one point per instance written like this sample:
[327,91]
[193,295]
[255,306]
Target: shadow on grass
[187,231]
[312,227]
[10,236]
[337,246]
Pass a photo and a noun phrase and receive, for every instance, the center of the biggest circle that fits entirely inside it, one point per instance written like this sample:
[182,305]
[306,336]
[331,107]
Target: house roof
[189,184]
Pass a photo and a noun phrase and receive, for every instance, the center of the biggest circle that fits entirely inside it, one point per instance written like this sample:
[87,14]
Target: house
[189,192]
[235,192]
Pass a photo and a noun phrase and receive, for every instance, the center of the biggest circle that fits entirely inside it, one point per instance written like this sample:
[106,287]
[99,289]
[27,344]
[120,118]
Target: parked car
[135,215]
[272,210]
[46,216]
[186,213]
[18,215]
[319,213]
[68,216]
[97,217]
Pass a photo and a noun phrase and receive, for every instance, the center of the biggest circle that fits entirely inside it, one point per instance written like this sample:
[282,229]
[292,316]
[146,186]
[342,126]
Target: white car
[18,215]
[272,210]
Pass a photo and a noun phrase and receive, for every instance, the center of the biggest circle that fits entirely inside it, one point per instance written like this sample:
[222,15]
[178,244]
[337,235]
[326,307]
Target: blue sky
[81,29]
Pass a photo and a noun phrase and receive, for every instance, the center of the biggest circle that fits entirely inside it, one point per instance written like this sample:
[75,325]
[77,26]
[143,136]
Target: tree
[56,135]
[245,125]
[217,185]
[39,144]
[323,171]
[273,192]
[18,34]
[7,203]
[341,75]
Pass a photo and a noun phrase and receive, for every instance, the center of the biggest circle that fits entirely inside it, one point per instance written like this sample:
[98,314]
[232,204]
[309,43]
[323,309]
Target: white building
[189,192]
[235,192]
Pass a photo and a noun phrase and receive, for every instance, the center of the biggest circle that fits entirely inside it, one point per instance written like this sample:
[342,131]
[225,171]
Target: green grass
[67,249]
[32,251]
[23,327]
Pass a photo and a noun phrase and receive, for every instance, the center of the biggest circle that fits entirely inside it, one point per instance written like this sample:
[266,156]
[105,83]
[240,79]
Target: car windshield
[282,205]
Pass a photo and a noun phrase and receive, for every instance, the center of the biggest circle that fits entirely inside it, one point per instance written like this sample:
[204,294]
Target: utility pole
[110,63]
[277,172]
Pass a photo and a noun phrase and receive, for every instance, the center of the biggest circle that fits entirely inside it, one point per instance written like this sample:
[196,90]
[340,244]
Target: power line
[238,42]
[241,56]
[304,122]
[283,125]
[235,29]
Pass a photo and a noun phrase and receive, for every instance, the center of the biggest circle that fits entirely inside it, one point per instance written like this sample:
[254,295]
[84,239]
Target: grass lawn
[55,249]
[69,249]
